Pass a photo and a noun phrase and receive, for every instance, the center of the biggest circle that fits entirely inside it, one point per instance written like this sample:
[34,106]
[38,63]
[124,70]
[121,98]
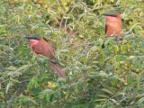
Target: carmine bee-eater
[39,46]
[113,24]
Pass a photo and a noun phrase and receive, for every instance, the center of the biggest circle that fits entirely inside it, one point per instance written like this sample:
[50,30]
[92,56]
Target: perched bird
[39,46]
[113,24]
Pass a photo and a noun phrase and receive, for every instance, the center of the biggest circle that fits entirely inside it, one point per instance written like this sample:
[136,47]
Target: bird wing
[46,50]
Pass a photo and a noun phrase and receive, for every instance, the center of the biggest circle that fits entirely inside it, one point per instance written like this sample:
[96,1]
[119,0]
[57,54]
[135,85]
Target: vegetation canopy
[97,77]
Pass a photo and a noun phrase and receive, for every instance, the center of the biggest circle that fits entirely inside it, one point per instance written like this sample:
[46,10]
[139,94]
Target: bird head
[33,36]
[112,13]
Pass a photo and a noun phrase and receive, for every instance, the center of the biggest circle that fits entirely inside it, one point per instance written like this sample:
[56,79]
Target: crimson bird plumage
[113,24]
[39,46]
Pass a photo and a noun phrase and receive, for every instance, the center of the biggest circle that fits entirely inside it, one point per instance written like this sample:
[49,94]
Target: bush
[96,77]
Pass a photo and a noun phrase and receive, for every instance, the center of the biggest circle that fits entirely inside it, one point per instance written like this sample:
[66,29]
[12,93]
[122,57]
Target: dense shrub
[110,77]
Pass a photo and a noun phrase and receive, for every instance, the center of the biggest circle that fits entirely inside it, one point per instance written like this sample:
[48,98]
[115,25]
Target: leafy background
[110,77]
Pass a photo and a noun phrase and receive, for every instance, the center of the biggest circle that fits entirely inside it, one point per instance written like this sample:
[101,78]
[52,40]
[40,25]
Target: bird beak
[27,37]
[110,13]
[104,14]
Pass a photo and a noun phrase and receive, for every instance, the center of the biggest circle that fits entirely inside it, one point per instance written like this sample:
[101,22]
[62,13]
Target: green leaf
[140,102]
[108,91]
[2,28]
[28,99]
[7,87]
[48,97]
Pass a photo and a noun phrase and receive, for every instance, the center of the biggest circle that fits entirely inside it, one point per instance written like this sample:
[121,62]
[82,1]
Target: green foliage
[110,77]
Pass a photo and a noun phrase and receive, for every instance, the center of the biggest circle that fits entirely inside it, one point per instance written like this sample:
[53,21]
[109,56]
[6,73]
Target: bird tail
[56,67]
